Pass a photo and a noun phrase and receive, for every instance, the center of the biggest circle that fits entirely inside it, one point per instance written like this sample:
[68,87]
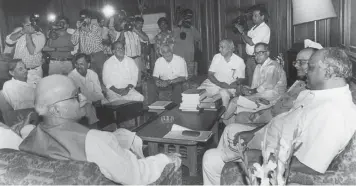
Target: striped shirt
[90,42]
[21,51]
[132,43]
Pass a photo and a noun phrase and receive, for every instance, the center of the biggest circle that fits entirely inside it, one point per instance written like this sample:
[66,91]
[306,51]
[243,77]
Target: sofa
[21,168]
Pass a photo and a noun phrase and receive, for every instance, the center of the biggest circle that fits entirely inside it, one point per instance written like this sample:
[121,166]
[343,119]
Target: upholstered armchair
[21,168]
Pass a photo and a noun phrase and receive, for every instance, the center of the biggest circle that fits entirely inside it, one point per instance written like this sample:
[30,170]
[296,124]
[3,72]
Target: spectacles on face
[300,62]
[259,53]
[76,96]
[120,48]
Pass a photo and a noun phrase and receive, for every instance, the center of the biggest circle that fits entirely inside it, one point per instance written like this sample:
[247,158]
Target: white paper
[176,127]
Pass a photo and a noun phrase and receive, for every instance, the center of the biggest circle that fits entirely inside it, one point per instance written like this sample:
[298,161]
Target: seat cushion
[21,168]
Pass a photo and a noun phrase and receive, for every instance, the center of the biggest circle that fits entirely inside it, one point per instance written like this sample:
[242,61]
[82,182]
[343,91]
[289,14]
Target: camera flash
[51,17]
[108,10]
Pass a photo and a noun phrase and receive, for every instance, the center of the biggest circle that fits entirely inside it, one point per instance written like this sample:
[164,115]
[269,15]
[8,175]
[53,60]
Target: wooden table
[153,132]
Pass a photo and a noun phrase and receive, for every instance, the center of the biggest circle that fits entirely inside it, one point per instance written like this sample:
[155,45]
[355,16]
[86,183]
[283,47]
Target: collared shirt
[185,47]
[90,42]
[258,34]
[19,94]
[120,164]
[163,38]
[120,73]
[21,51]
[229,71]
[326,121]
[132,43]
[270,80]
[89,85]
[61,42]
[170,70]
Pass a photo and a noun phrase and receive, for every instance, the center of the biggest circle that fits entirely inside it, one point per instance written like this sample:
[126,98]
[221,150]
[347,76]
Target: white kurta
[170,70]
[120,164]
[258,34]
[120,74]
[19,94]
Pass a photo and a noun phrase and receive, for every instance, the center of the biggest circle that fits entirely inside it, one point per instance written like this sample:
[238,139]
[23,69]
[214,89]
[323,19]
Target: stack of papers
[211,103]
[191,99]
[176,133]
[159,105]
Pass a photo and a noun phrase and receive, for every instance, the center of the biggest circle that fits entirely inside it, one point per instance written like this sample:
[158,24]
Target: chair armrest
[169,176]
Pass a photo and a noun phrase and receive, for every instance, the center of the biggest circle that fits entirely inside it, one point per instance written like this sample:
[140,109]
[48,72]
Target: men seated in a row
[268,84]
[226,72]
[284,103]
[169,73]
[88,82]
[28,41]
[18,92]
[324,116]
[120,74]
[59,136]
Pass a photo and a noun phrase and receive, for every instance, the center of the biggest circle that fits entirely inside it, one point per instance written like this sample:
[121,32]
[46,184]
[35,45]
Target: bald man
[324,116]
[169,73]
[283,104]
[226,72]
[59,136]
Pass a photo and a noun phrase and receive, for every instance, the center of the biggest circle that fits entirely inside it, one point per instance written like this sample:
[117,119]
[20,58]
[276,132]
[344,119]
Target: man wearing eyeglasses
[260,32]
[269,83]
[120,74]
[60,137]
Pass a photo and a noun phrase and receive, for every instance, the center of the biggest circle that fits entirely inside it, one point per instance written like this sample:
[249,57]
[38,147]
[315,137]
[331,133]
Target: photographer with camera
[59,46]
[29,42]
[185,36]
[88,35]
[130,32]
[260,32]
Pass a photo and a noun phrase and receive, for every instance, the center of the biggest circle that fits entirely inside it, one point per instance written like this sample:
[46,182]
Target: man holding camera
[132,36]
[260,32]
[59,47]
[29,43]
[88,36]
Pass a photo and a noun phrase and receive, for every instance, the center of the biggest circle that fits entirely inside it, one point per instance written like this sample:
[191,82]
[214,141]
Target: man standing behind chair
[258,33]
[120,75]
[60,46]
[169,73]
[226,72]
[88,36]
[29,43]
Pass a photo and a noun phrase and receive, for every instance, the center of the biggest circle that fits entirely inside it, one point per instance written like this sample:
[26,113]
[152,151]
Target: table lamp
[312,10]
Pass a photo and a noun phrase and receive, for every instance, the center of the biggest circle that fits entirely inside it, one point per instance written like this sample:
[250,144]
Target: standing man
[29,44]
[259,33]
[60,46]
[185,36]
[120,75]
[88,35]
[132,39]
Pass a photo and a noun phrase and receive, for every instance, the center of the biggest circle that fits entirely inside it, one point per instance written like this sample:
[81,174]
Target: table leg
[192,160]
[152,148]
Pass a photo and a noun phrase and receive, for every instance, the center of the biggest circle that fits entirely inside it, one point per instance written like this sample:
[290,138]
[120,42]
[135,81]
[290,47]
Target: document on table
[176,133]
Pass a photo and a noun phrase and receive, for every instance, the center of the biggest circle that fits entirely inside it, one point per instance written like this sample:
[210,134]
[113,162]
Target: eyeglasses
[120,48]
[76,96]
[259,53]
[300,62]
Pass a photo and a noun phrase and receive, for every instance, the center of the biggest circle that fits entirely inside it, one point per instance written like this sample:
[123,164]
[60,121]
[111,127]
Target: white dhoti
[133,95]
[212,90]
[91,113]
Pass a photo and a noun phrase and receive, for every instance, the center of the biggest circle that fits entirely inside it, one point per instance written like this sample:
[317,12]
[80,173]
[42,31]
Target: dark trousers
[97,62]
[250,68]
[175,90]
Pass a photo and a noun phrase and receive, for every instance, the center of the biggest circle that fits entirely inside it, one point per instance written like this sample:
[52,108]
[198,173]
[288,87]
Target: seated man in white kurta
[88,82]
[169,73]
[226,72]
[120,75]
[17,92]
[268,84]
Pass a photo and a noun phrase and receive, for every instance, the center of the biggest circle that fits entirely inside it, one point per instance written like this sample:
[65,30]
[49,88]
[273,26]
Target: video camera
[34,20]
